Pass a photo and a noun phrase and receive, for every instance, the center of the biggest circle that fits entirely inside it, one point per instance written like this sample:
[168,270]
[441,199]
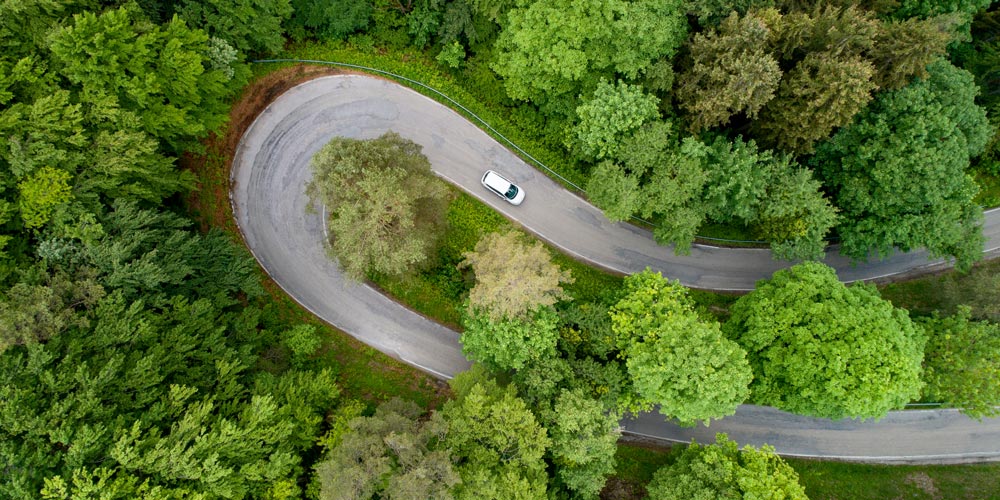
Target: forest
[144,353]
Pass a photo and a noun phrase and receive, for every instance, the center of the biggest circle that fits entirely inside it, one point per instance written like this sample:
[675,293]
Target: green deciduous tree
[41,193]
[584,441]
[675,359]
[961,366]
[513,278]
[551,49]
[251,26]
[509,343]
[389,455]
[732,70]
[497,443]
[899,175]
[385,208]
[614,112]
[722,470]
[820,348]
[682,186]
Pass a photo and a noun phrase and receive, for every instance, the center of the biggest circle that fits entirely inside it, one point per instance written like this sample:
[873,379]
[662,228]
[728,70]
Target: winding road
[269,173]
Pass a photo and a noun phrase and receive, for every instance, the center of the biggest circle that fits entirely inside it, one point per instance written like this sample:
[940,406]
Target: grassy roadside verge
[825,480]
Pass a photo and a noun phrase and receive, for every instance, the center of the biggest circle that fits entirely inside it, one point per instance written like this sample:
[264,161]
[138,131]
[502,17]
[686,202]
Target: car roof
[495,181]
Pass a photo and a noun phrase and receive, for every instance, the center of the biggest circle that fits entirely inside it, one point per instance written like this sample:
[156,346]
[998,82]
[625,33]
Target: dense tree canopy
[732,70]
[675,359]
[961,366]
[722,470]
[551,49]
[251,26]
[513,279]
[818,347]
[614,112]
[385,208]
[899,171]
[508,343]
[723,181]
[389,455]
[497,443]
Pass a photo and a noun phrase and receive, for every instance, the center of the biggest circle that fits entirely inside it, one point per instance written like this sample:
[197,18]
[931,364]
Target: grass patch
[824,480]
[362,372]
[848,481]
[944,292]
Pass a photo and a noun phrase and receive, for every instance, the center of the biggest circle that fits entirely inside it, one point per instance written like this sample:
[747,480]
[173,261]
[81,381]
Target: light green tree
[509,343]
[41,194]
[497,443]
[550,49]
[385,208]
[513,278]
[674,358]
[613,113]
[722,470]
[961,367]
[820,348]
[584,441]
[161,88]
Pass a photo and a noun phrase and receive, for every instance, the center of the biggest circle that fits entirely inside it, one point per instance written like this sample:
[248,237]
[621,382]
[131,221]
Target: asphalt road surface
[271,168]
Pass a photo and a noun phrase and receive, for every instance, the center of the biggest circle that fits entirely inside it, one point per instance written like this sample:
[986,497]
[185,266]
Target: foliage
[158,393]
[584,438]
[31,313]
[721,470]
[820,348]
[508,343]
[732,71]
[42,193]
[251,26]
[823,92]
[614,112]
[899,170]
[927,8]
[711,12]
[513,278]
[303,341]
[674,358]
[162,88]
[903,49]
[961,367]
[497,444]
[328,19]
[386,208]
[389,455]
[452,55]
[556,49]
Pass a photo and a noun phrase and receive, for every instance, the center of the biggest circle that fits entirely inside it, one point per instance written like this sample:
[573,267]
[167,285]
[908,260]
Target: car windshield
[512,192]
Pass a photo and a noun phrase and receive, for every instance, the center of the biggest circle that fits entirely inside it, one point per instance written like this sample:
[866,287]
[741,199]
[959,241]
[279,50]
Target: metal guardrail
[485,124]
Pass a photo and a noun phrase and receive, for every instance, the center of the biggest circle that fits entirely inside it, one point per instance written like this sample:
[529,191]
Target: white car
[503,188]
